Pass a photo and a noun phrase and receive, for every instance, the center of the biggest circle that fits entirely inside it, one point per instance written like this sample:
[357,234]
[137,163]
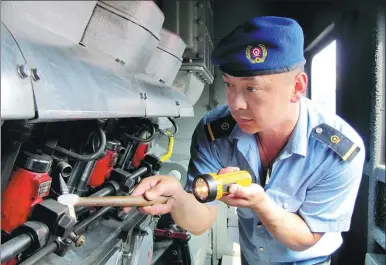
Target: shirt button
[261,249]
[285,205]
[267,261]
[319,130]
[259,226]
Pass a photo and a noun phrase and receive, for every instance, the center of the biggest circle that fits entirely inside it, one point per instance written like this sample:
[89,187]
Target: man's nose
[239,101]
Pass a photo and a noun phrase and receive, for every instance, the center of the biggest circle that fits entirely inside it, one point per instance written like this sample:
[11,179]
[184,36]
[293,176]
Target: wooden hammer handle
[119,201]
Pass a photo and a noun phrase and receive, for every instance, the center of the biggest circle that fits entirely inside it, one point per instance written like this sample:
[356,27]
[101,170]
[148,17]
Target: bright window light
[323,78]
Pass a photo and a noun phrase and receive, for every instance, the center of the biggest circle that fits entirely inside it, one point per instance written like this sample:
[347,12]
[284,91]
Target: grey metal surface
[101,243]
[65,18]
[190,84]
[172,43]
[193,21]
[144,13]
[121,38]
[79,83]
[166,59]
[375,259]
[17,100]
[161,99]
[163,66]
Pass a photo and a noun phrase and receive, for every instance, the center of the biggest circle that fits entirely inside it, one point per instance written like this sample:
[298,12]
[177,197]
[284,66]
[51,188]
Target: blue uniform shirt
[317,176]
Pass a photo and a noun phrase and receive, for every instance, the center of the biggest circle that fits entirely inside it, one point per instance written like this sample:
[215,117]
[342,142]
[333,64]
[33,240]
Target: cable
[89,157]
[149,139]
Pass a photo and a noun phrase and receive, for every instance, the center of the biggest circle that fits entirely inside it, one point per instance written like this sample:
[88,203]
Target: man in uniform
[306,164]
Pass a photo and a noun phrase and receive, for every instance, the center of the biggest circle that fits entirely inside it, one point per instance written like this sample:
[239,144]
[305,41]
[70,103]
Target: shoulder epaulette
[339,143]
[220,127]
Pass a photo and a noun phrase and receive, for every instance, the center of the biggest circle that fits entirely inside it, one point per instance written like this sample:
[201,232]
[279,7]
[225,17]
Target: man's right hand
[155,186]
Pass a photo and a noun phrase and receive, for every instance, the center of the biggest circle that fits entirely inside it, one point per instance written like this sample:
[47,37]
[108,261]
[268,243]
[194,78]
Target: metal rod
[15,246]
[43,252]
[119,201]
[126,157]
[101,193]
[86,222]
[138,173]
[75,175]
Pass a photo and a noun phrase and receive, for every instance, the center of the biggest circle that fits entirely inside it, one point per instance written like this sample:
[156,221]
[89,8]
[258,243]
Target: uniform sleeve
[329,205]
[202,159]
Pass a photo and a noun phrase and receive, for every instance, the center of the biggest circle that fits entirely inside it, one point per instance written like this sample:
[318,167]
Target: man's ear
[300,86]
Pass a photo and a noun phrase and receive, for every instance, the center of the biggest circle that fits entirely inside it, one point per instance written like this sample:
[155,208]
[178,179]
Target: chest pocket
[287,202]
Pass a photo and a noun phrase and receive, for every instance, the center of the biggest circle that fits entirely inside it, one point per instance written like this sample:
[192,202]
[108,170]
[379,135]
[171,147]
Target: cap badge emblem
[256,54]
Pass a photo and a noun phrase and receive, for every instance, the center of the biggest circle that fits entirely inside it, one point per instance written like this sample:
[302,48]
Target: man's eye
[227,84]
[251,89]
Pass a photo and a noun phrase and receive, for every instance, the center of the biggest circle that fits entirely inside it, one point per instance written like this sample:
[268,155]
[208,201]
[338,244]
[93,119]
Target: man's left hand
[244,197]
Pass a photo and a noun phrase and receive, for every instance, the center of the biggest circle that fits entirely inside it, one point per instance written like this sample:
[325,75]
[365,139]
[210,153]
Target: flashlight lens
[201,189]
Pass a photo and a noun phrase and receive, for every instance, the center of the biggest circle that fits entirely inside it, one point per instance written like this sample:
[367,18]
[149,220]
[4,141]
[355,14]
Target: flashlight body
[217,186]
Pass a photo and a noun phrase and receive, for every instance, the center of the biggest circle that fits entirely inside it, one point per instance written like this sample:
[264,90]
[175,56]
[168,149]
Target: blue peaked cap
[261,45]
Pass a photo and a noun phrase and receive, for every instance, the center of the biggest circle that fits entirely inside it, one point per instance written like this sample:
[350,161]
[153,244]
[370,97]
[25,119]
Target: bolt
[200,38]
[200,5]
[35,74]
[80,241]
[200,21]
[200,55]
[23,71]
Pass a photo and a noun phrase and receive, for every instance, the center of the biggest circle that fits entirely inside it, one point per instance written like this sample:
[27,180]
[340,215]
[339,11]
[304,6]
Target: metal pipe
[15,246]
[82,186]
[128,152]
[74,177]
[43,252]
[139,172]
[64,168]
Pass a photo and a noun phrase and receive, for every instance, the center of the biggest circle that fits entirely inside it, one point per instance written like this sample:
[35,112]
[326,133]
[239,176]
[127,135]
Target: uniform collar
[298,142]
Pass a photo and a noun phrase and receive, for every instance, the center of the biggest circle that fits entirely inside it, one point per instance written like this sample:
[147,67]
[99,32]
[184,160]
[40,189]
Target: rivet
[261,249]
[319,130]
[23,71]
[285,205]
[35,74]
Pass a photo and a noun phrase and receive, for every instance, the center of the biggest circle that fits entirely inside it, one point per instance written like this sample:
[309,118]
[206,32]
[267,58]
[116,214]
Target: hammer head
[70,200]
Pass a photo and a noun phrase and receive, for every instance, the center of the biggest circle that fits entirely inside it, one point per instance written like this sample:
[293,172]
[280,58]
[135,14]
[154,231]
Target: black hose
[15,246]
[146,140]
[98,154]
[43,252]
[82,185]
[174,125]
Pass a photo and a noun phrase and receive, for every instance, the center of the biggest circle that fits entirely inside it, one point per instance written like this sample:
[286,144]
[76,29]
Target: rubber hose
[98,154]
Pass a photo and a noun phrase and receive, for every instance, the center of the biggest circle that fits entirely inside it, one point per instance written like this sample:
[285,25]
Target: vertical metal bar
[377,118]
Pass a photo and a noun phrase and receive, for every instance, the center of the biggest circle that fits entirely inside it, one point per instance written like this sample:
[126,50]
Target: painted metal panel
[17,99]
[75,83]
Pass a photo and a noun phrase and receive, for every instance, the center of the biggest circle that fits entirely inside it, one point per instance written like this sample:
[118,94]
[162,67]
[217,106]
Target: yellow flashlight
[210,187]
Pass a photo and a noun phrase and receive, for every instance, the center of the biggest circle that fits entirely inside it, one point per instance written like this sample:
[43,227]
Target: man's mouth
[243,120]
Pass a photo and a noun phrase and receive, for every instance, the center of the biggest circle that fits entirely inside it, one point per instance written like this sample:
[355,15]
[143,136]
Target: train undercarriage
[88,90]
